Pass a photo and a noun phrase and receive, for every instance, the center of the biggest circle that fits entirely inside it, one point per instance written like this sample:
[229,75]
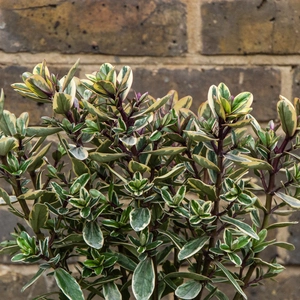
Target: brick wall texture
[186,45]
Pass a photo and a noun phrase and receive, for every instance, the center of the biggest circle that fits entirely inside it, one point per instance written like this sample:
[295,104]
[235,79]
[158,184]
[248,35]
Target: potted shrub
[143,195]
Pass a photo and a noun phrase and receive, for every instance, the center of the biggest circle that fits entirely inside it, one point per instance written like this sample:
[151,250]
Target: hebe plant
[142,194]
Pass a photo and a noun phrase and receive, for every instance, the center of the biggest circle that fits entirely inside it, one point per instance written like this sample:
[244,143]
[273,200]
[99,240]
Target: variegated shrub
[143,195]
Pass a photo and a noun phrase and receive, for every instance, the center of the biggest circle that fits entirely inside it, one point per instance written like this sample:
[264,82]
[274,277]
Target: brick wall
[186,45]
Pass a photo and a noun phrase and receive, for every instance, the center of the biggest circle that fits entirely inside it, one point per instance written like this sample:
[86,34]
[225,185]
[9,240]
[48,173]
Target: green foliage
[147,196]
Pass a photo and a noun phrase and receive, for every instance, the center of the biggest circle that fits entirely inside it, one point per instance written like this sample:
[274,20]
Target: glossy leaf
[143,280]
[134,166]
[68,284]
[106,157]
[37,160]
[231,279]
[190,275]
[38,274]
[205,163]
[94,111]
[188,290]
[111,291]
[39,131]
[199,136]
[289,200]
[104,87]
[7,144]
[242,101]
[174,172]
[62,103]
[244,227]
[155,106]
[92,235]
[192,247]
[287,115]
[125,79]
[139,218]
[185,102]
[167,151]
[8,123]
[203,187]
[70,75]
[38,216]
[38,85]
[249,162]
[79,152]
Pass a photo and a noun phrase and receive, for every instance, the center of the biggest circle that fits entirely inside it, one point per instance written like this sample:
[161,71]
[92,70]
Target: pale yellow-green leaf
[219,109]
[70,75]
[37,160]
[241,103]
[239,124]
[205,163]
[8,123]
[289,200]
[167,151]
[249,162]
[135,166]
[94,111]
[104,87]
[125,79]
[212,96]
[1,103]
[106,157]
[155,106]
[32,194]
[33,96]
[223,91]
[202,187]
[38,85]
[199,136]
[204,111]
[62,103]
[41,69]
[185,102]
[287,115]
[39,131]
[174,172]
[7,144]
[79,167]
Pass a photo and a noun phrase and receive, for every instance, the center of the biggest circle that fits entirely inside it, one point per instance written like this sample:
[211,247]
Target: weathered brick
[249,27]
[296,82]
[263,83]
[12,280]
[157,27]
[294,238]
[8,222]
[18,104]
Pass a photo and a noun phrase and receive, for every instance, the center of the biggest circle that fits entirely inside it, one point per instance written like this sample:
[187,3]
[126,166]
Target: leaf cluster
[143,193]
